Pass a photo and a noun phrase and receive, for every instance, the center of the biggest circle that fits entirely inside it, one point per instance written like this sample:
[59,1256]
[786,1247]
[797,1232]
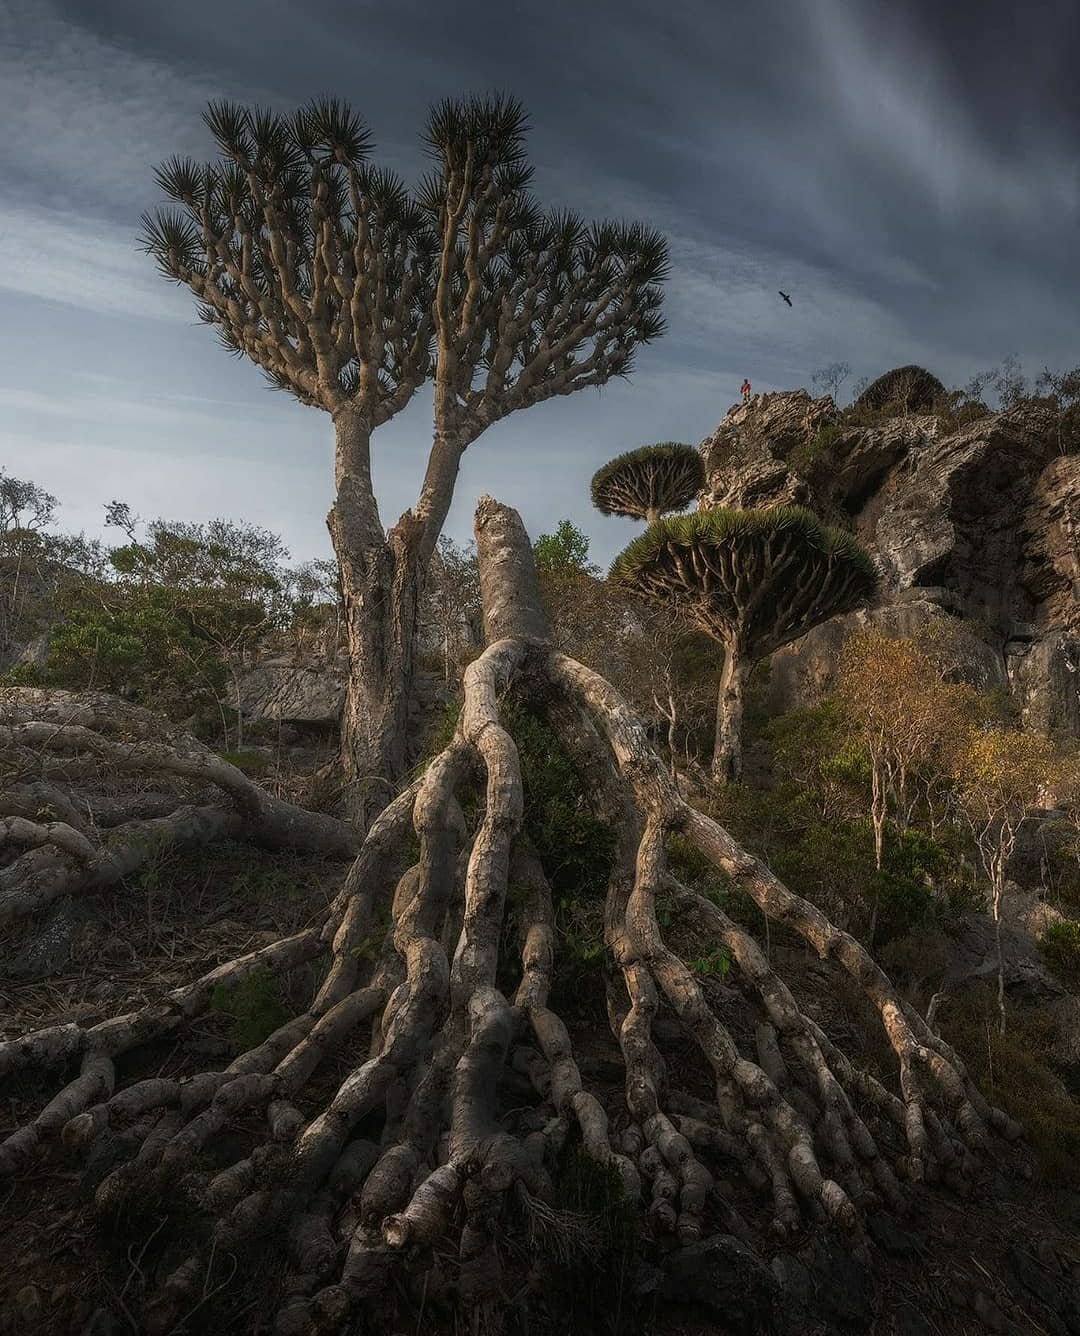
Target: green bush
[818,452]
[142,649]
[252,763]
[1061,947]
[1014,1071]
[253,1006]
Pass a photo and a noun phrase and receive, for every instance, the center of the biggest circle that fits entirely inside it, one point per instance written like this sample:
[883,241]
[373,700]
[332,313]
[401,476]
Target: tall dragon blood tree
[754,580]
[379,1127]
[350,293]
[649,482]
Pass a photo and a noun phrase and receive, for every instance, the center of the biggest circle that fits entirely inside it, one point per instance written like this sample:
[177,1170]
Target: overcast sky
[908,172]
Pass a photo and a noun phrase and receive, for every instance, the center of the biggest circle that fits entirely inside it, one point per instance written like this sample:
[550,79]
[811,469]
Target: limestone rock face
[804,672]
[746,457]
[980,524]
[311,693]
[293,693]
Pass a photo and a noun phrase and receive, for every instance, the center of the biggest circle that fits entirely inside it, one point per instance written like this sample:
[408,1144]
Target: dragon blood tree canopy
[912,388]
[757,578]
[649,482]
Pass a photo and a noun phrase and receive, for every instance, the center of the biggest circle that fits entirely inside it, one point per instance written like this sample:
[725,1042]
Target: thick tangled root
[414,1150]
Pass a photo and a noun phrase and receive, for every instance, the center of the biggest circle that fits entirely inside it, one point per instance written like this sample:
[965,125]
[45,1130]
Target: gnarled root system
[412,1151]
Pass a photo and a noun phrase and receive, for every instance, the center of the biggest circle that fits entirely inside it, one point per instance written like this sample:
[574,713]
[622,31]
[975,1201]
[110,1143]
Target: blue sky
[909,172]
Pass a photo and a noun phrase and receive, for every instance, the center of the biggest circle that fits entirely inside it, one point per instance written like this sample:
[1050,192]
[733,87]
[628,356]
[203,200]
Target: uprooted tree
[752,579]
[420,1155]
[350,293]
[649,482]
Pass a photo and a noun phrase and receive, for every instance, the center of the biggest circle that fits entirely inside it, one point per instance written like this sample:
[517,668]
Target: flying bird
[785,297]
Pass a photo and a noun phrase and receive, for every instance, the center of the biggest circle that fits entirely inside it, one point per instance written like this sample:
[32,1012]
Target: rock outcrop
[309,695]
[981,524]
[285,691]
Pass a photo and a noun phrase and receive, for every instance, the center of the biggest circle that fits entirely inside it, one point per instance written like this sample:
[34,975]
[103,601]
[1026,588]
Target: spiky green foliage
[911,388]
[756,577]
[345,287]
[280,241]
[649,481]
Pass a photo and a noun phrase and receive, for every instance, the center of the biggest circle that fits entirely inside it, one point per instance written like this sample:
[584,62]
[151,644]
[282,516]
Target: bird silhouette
[785,297]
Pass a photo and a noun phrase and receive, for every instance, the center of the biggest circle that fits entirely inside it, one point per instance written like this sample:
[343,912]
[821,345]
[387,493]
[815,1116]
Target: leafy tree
[140,648]
[567,549]
[647,483]
[223,582]
[314,593]
[1063,390]
[38,567]
[753,580]
[1001,775]
[906,717]
[350,293]
[451,604]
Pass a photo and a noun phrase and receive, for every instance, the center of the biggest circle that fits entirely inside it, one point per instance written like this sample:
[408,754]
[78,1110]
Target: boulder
[722,1276]
[804,672]
[973,958]
[56,939]
[311,693]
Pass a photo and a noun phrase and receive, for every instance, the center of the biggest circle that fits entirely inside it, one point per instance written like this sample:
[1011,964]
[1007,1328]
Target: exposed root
[416,1149]
[59,834]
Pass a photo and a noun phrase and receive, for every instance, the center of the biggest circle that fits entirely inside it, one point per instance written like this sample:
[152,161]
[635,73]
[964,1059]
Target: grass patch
[253,1007]
[1014,1071]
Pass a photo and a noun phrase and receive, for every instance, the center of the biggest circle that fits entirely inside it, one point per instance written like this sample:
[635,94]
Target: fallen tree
[91,788]
[416,1152]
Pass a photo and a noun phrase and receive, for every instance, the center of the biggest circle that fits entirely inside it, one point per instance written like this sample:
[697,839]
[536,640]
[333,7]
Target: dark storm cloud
[908,172]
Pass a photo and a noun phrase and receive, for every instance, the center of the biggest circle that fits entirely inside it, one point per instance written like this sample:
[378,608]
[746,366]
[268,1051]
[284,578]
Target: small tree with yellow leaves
[1001,775]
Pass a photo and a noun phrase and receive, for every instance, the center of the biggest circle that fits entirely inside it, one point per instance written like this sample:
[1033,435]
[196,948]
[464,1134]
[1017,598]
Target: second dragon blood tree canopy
[754,580]
[649,482]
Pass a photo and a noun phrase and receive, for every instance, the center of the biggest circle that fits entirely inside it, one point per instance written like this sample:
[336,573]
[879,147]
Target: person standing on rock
[745,390]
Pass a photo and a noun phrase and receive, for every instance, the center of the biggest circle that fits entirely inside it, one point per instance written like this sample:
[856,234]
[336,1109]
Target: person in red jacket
[745,390]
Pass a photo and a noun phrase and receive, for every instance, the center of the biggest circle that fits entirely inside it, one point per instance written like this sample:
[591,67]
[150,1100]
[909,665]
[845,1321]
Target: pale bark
[382,582]
[727,751]
[56,745]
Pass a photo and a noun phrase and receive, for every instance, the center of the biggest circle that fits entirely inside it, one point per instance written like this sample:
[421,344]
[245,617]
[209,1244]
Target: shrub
[254,1008]
[818,452]
[1061,947]
[252,763]
[1014,1071]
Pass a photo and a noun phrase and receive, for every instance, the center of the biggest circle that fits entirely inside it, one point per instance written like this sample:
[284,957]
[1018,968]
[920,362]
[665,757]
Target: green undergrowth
[830,861]
[1061,947]
[254,1008]
[252,763]
[1015,1072]
[589,1253]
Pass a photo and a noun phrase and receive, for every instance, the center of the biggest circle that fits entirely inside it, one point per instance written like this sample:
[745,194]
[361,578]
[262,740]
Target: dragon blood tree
[752,579]
[350,293]
[647,483]
[412,1112]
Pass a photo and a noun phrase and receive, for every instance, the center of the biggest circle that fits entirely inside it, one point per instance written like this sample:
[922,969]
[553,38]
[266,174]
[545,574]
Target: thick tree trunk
[727,752]
[382,594]
[382,580]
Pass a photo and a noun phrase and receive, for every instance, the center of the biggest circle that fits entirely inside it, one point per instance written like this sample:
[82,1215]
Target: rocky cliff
[979,524]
